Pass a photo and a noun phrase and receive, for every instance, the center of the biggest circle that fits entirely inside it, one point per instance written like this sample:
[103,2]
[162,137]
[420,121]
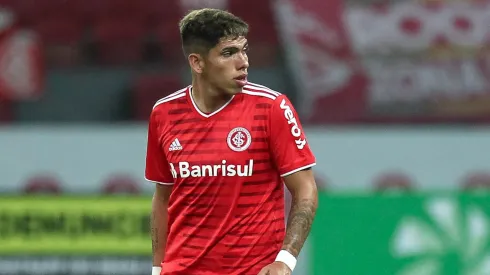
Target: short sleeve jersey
[226,210]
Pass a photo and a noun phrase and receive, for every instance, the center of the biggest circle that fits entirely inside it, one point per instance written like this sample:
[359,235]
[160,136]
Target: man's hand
[276,268]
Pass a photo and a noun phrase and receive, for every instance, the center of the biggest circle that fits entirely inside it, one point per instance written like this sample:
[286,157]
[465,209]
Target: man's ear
[196,61]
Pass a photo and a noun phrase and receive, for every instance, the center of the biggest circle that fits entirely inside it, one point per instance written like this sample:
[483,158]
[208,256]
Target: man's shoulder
[166,102]
[260,92]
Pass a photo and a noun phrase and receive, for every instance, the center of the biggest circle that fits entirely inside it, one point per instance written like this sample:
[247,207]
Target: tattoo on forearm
[154,234]
[299,224]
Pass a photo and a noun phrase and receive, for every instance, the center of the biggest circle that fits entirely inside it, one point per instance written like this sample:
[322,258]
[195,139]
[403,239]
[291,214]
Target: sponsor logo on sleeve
[295,129]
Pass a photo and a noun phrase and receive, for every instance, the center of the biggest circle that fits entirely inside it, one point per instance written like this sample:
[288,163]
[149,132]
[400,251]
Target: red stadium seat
[393,181]
[263,35]
[168,37]
[477,180]
[97,9]
[187,5]
[150,88]
[43,183]
[24,10]
[55,8]
[121,184]
[260,19]
[6,112]
[31,12]
[57,22]
[120,40]
[159,11]
[61,37]
[166,31]
[8,3]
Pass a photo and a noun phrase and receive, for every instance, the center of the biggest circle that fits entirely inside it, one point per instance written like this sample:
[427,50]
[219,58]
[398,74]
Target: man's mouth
[241,80]
[241,77]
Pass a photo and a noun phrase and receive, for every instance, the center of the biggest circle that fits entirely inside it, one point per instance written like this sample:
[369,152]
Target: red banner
[356,61]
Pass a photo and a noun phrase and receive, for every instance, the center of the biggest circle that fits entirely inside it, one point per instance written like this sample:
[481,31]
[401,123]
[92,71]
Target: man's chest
[231,140]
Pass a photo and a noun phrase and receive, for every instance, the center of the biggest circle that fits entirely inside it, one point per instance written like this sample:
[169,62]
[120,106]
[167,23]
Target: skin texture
[303,209]
[159,218]
[214,73]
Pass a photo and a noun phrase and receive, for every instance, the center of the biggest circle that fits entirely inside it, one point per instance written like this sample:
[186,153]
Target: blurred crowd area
[341,62]
[110,60]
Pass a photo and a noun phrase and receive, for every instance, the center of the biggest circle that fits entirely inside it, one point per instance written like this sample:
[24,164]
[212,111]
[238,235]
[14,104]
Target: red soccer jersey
[226,210]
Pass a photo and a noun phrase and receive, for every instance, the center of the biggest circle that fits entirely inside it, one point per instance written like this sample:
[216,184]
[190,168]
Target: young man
[219,152]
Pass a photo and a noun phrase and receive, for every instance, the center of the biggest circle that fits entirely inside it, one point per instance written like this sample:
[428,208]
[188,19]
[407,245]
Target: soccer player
[220,152]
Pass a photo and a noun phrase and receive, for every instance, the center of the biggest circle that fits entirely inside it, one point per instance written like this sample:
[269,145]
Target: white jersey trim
[175,93]
[259,94]
[211,114]
[180,93]
[158,182]
[261,88]
[298,169]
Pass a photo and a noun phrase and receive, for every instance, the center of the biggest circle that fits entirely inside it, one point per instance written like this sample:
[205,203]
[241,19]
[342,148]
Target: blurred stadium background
[395,96]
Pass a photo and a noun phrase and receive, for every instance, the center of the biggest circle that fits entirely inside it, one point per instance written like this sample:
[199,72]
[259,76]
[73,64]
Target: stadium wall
[85,160]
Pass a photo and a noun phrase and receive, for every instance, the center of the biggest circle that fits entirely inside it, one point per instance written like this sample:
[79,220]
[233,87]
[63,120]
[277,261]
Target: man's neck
[206,98]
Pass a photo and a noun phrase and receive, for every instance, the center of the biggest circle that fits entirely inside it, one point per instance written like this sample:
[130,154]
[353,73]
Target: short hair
[201,30]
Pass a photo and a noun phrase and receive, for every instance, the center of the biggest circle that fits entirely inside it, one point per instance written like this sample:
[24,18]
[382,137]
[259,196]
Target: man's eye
[227,54]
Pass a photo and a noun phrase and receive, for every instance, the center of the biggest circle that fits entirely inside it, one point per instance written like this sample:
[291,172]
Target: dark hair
[201,30]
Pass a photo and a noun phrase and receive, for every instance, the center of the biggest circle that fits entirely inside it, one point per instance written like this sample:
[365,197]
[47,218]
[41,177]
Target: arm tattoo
[154,234]
[299,224]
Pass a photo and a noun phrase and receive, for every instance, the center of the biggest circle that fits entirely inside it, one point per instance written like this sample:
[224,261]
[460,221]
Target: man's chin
[241,82]
[235,90]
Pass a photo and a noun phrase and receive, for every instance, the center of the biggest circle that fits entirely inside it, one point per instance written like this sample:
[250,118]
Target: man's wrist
[156,270]
[287,258]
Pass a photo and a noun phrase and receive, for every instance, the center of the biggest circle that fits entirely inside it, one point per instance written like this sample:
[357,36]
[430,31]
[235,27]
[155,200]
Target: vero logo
[295,130]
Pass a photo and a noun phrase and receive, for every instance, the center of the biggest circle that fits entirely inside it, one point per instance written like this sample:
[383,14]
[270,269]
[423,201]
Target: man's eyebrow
[234,48]
[230,48]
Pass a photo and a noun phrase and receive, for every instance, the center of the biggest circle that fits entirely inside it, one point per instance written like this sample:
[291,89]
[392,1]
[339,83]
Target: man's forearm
[159,217]
[303,210]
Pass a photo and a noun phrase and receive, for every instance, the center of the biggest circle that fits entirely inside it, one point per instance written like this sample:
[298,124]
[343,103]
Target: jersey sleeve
[157,167]
[290,150]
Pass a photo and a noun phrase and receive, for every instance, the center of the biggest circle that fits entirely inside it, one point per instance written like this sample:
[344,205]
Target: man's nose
[243,63]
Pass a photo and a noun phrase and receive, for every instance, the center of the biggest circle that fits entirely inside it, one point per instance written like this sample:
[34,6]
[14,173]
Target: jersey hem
[298,169]
[159,182]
